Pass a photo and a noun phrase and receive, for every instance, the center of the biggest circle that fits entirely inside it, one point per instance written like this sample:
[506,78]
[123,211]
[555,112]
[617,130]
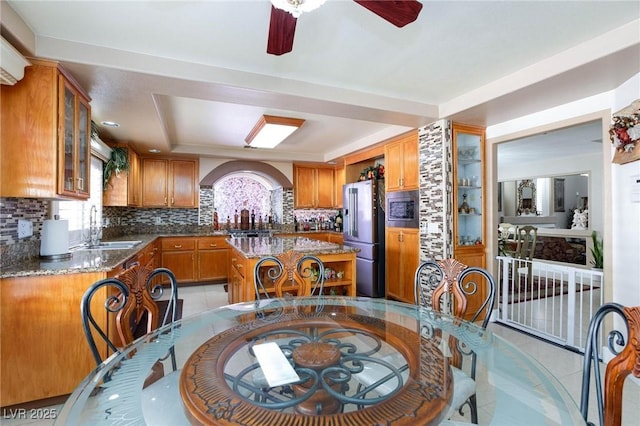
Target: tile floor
[562,363]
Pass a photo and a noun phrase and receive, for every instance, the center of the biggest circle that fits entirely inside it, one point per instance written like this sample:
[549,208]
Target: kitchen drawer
[178,244]
[238,263]
[212,243]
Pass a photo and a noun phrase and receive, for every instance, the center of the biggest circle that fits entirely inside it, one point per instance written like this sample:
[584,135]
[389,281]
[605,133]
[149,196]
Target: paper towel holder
[57,256]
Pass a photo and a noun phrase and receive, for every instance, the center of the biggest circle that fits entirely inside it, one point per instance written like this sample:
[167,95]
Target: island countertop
[256,247]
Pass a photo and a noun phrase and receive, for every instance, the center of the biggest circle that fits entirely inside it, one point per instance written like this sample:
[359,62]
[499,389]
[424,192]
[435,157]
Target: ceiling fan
[282,26]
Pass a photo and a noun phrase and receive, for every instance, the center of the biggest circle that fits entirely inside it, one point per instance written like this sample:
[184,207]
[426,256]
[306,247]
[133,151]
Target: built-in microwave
[403,209]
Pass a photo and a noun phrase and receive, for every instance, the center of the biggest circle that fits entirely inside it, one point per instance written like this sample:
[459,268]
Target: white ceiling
[193,77]
[584,138]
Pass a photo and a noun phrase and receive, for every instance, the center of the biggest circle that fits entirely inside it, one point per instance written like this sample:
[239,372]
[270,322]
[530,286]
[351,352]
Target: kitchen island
[339,262]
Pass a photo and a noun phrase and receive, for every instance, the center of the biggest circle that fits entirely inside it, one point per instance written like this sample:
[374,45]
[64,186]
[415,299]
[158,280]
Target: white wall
[625,246]
[620,217]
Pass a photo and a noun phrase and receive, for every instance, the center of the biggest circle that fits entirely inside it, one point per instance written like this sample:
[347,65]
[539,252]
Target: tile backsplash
[12,248]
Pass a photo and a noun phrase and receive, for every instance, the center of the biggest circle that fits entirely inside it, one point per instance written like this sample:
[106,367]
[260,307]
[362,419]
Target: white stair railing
[550,300]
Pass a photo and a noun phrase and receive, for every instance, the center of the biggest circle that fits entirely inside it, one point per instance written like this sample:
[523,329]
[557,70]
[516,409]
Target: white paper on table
[275,366]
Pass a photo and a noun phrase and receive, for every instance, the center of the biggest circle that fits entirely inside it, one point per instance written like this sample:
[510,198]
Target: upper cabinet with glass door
[74,140]
[468,194]
[45,122]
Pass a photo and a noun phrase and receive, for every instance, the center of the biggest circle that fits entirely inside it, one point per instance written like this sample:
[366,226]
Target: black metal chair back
[115,294]
[130,299]
[623,341]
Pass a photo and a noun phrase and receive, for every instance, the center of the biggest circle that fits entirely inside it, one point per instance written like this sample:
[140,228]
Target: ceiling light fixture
[109,124]
[270,130]
[296,7]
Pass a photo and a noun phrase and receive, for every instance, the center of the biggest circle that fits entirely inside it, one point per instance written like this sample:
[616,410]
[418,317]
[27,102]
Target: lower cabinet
[335,238]
[242,269]
[196,259]
[473,256]
[237,271]
[43,350]
[402,255]
[213,259]
[179,255]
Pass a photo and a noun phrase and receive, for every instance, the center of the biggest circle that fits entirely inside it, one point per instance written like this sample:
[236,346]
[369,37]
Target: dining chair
[131,303]
[148,309]
[288,274]
[525,249]
[623,341]
[452,287]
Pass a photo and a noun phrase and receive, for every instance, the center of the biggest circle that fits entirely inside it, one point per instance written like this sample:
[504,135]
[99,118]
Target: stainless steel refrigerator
[363,228]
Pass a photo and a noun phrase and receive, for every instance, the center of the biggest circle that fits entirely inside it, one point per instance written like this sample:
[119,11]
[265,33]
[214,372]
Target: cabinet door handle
[177,246]
[172,201]
[165,201]
[213,245]
[80,183]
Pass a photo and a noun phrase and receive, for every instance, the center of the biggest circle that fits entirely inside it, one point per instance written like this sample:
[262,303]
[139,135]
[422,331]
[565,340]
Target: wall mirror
[551,205]
[526,197]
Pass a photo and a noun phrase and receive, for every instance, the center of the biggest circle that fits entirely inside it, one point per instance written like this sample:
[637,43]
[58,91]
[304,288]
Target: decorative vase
[464,207]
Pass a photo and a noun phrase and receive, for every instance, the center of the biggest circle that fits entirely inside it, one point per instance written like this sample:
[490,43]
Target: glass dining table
[316,360]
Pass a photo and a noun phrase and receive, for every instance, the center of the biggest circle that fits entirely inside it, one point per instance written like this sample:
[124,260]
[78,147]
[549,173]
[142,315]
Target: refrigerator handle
[353,203]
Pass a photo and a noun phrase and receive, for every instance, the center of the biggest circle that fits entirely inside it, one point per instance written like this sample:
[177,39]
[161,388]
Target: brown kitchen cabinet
[401,162]
[124,189]
[169,182]
[179,255]
[43,350]
[213,259]
[340,180]
[237,273]
[335,238]
[46,131]
[314,187]
[469,195]
[241,282]
[196,259]
[402,250]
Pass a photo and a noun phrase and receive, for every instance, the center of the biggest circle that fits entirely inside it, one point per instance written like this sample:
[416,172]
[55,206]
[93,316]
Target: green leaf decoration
[118,162]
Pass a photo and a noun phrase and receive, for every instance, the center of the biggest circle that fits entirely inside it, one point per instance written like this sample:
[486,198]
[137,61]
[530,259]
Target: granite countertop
[252,247]
[80,261]
[105,260]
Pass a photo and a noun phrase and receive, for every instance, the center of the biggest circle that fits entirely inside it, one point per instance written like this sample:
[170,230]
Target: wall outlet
[158,220]
[25,228]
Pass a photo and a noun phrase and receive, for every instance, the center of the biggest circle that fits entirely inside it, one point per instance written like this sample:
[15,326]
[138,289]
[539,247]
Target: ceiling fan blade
[282,28]
[399,13]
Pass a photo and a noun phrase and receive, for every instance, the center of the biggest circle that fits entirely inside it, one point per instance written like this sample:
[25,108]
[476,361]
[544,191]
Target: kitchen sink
[109,245]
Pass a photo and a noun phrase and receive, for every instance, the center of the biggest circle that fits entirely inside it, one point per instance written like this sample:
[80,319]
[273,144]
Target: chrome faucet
[95,233]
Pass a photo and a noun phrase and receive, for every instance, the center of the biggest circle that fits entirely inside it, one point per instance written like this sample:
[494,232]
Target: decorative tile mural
[233,194]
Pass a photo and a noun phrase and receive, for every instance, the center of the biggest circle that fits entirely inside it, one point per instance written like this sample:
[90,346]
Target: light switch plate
[25,228]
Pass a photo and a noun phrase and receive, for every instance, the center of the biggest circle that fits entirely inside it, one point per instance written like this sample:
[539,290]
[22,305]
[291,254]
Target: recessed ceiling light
[154,150]
[109,124]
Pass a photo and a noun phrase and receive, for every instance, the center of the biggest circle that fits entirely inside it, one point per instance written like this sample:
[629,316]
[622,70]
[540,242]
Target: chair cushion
[374,372]
[463,388]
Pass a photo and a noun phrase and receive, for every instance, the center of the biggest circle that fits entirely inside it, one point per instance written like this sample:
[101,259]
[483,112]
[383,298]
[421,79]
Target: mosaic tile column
[435,162]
